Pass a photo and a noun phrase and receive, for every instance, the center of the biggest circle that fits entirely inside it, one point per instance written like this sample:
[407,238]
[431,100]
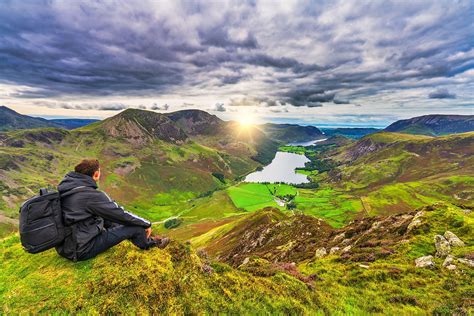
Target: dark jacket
[87,209]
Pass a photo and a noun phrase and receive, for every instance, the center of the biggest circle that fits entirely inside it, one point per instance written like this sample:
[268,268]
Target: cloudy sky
[322,62]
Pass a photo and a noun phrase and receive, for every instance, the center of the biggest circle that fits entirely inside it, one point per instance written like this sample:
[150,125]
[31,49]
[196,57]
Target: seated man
[98,223]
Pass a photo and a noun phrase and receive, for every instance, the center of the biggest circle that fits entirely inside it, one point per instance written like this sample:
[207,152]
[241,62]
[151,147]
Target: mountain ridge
[11,120]
[434,125]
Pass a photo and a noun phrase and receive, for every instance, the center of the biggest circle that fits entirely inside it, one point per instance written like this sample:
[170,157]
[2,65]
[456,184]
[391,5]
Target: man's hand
[148,232]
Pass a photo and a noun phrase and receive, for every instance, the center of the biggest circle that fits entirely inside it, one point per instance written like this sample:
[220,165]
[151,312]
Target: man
[97,222]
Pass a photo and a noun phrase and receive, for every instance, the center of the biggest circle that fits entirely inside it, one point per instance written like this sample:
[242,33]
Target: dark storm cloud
[308,97]
[340,101]
[304,55]
[441,94]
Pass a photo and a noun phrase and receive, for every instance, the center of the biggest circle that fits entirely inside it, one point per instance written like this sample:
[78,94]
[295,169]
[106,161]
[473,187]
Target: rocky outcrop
[442,246]
[453,240]
[416,221]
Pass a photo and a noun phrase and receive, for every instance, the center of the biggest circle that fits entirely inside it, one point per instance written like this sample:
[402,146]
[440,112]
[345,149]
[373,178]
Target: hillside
[367,267]
[197,122]
[352,264]
[395,172]
[287,133]
[434,125]
[11,120]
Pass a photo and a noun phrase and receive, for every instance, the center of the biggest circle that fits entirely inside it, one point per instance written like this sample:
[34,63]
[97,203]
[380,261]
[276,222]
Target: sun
[246,120]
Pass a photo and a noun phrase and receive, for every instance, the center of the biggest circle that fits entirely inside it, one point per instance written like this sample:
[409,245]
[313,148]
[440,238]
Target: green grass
[392,285]
[334,207]
[6,229]
[254,196]
[126,280]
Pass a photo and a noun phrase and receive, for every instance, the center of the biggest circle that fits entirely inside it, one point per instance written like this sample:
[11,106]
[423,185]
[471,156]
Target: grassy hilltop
[376,274]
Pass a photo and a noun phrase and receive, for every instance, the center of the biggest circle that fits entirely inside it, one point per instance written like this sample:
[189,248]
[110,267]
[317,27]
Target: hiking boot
[161,242]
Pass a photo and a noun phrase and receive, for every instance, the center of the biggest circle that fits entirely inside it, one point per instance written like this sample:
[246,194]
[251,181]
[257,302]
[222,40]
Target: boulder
[320,252]
[448,261]
[467,262]
[442,246]
[453,240]
[416,221]
[451,267]
[424,262]
[333,250]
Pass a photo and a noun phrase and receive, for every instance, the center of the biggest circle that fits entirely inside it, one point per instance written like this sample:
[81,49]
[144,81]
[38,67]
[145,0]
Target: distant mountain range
[12,120]
[291,132]
[434,125]
[73,122]
[350,132]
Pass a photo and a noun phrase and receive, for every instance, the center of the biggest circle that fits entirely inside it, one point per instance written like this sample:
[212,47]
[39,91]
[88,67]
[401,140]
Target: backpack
[41,221]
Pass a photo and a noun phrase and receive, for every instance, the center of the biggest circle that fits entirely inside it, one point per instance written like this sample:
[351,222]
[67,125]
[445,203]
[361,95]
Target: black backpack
[41,221]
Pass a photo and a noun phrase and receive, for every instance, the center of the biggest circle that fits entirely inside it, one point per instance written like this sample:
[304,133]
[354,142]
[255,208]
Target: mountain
[350,132]
[196,122]
[434,125]
[73,122]
[287,133]
[148,160]
[140,127]
[11,120]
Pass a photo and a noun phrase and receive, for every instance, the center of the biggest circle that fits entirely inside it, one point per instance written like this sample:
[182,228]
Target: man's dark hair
[87,167]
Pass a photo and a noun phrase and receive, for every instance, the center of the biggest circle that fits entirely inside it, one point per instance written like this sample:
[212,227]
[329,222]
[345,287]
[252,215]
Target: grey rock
[442,246]
[416,221]
[467,262]
[453,240]
[448,261]
[334,250]
[424,262]
[320,252]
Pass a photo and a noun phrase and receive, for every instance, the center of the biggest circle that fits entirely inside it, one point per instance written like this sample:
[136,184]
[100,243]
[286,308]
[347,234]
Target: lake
[281,169]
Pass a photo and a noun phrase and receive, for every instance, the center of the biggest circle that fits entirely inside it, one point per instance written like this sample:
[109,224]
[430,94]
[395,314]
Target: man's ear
[96,175]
